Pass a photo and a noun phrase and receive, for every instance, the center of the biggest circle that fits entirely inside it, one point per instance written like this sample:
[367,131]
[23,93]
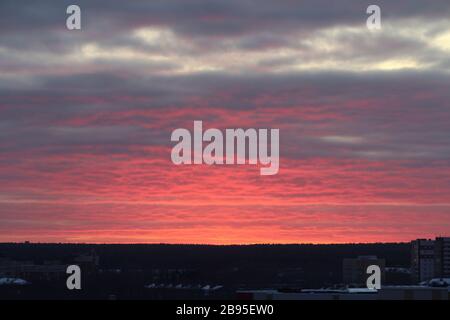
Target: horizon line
[208,244]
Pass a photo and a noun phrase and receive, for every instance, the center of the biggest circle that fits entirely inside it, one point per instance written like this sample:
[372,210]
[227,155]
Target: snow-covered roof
[13,281]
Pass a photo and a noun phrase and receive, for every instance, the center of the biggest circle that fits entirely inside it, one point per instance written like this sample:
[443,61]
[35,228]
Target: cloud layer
[86,117]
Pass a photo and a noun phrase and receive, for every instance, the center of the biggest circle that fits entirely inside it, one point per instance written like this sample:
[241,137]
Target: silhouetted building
[385,293]
[88,262]
[442,257]
[355,269]
[422,259]
[49,269]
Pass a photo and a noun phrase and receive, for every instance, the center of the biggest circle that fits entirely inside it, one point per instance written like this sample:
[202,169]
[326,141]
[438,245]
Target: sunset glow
[86,118]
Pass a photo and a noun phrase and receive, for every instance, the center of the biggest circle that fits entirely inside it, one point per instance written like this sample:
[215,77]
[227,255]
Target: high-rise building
[422,259]
[442,257]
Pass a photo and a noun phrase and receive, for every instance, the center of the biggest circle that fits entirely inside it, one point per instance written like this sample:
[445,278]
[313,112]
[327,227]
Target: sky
[86,118]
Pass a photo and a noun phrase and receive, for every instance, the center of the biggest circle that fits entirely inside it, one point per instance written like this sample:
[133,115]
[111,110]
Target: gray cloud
[45,85]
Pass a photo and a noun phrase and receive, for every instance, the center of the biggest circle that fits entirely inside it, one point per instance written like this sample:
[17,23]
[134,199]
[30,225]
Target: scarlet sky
[86,118]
